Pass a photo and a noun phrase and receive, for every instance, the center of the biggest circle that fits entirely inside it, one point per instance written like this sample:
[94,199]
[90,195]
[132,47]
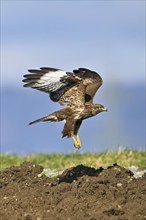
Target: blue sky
[107,36]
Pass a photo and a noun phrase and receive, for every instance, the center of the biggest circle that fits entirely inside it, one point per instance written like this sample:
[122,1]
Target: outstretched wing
[69,89]
[46,79]
[91,80]
[50,80]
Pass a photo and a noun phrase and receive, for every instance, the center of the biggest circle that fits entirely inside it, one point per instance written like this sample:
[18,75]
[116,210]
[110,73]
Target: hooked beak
[104,109]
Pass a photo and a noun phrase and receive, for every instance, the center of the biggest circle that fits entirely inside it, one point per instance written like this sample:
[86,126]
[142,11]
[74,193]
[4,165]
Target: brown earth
[77,194]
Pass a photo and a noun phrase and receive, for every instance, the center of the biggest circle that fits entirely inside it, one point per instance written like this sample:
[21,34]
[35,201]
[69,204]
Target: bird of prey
[73,90]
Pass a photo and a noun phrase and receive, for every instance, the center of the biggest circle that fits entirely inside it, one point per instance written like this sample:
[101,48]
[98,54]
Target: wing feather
[66,87]
[45,79]
[51,80]
[91,80]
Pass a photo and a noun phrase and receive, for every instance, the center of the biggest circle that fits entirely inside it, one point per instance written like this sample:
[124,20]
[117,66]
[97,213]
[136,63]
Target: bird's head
[99,108]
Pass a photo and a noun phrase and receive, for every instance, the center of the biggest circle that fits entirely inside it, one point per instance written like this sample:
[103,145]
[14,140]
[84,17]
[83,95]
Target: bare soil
[79,193]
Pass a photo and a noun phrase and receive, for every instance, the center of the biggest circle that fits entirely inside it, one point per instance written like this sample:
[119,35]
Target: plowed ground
[79,193]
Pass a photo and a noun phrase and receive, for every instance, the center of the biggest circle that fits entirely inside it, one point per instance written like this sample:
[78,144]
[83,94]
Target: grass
[62,161]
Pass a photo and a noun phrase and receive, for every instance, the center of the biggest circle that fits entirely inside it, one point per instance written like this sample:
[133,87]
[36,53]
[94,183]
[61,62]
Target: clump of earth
[79,193]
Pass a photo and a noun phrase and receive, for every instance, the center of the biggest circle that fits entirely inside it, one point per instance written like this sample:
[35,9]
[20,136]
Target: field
[63,161]
[89,186]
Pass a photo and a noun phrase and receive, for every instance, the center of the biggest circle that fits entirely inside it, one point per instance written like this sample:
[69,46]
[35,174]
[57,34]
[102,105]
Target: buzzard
[73,90]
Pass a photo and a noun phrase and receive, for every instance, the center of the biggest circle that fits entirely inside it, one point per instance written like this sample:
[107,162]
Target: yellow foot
[77,142]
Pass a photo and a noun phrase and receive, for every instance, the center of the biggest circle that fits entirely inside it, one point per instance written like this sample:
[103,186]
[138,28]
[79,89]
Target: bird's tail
[46,118]
[56,116]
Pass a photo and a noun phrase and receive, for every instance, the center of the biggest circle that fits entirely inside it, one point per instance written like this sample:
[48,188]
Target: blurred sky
[105,36]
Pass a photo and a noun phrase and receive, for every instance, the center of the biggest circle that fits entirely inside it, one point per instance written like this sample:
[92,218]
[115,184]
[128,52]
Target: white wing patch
[53,76]
[45,81]
[51,80]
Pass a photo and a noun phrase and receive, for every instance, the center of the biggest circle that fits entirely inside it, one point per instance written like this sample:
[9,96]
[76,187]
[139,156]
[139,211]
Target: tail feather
[56,116]
[46,118]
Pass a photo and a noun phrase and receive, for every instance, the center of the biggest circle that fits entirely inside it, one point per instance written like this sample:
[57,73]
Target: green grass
[62,161]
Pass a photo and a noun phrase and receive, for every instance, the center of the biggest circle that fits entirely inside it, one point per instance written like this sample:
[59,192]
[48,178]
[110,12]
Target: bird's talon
[77,142]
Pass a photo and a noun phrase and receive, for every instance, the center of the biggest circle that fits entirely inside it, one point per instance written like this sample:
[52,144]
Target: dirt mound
[78,193]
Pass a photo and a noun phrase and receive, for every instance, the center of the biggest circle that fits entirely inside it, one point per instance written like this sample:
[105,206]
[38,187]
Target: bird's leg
[77,142]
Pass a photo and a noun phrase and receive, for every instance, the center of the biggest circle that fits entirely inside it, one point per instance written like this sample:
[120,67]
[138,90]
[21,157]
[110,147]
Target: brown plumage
[75,91]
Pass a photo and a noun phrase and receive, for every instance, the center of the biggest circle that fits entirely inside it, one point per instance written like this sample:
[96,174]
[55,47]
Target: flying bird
[73,90]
